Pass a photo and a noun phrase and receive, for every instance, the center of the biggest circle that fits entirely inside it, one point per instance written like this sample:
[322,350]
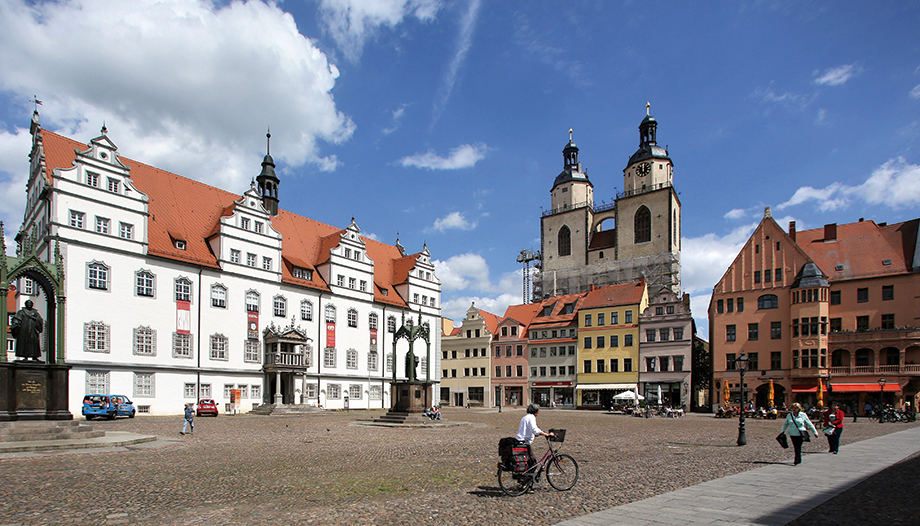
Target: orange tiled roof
[861,249]
[181,208]
[611,295]
[522,314]
[490,320]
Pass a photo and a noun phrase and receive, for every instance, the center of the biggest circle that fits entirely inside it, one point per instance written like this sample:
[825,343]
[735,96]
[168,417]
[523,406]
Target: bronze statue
[411,366]
[26,327]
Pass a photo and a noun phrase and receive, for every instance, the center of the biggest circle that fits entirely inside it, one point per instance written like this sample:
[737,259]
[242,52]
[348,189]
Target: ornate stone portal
[35,389]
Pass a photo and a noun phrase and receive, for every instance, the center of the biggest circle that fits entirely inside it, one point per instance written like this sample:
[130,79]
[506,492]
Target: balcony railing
[285,359]
[568,208]
[871,369]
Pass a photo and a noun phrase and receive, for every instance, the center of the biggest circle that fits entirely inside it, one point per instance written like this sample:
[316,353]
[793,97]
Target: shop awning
[603,387]
[804,388]
[552,384]
[862,388]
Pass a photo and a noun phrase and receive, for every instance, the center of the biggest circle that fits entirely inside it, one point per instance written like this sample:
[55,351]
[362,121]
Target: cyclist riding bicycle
[528,430]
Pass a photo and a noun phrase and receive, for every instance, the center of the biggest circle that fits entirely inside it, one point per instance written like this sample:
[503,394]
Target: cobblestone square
[329,469]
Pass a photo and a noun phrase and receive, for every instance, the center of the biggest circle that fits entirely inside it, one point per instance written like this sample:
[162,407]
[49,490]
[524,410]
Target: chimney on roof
[792,230]
[591,287]
[830,232]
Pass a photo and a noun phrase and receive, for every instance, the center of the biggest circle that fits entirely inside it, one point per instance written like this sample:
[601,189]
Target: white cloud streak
[464,41]
[351,23]
[836,76]
[453,221]
[470,273]
[463,156]
[915,93]
[895,183]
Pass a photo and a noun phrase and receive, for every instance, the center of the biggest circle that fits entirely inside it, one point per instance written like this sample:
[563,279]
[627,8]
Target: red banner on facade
[330,334]
[183,317]
[373,340]
[252,325]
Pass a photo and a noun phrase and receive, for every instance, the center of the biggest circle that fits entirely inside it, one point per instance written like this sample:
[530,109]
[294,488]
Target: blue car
[107,406]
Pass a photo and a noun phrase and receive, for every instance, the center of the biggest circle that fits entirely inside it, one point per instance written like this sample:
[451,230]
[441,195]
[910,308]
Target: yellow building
[608,343]
[465,361]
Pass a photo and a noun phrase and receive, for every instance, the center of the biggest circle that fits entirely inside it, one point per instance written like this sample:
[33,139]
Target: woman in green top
[798,424]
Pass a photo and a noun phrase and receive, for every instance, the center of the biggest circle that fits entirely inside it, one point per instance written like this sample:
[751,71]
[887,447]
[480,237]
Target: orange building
[825,314]
[509,356]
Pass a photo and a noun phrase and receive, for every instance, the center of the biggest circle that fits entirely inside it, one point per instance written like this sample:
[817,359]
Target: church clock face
[643,169]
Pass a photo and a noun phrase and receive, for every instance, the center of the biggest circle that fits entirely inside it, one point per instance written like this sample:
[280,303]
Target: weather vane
[35,101]
[570,134]
[647,106]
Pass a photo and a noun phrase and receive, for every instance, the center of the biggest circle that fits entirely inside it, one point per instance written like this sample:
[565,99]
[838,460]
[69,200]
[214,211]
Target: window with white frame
[219,296]
[354,391]
[372,321]
[189,391]
[351,359]
[145,341]
[92,179]
[96,337]
[372,361]
[389,362]
[183,289]
[244,223]
[431,301]
[352,318]
[97,276]
[204,391]
[227,389]
[27,286]
[330,313]
[102,225]
[266,263]
[113,185]
[279,306]
[311,390]
[218,347]
[348,253]
[251,351]
[415,298]
[302,273]
[235,255]
[256,392]
[143,385]
[306,310]
[181,345]
[329,357]
[97,382]
[340,280]
[333,391]
[259,226]
[144,281]
[244,390]
[363,286]
[251,259]
[352,283]
[252,301]
[391,324]
[77,219]
[374,393]
[125,231]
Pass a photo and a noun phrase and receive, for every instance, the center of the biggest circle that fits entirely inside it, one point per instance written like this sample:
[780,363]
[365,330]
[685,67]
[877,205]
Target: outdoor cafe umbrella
[659,395]
[727,396]
[770,395]
[628,395]
[820,393]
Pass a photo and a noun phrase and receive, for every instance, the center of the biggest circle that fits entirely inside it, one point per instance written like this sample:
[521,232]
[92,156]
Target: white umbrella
[659,395]
[628,395]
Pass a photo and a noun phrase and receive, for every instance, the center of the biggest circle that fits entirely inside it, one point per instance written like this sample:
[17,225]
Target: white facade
[168,322]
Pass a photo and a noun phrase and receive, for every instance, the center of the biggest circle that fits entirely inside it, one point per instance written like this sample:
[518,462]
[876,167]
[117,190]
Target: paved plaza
[329,469]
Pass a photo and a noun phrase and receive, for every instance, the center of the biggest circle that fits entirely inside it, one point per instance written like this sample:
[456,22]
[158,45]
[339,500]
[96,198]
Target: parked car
[107,406]
[207,407]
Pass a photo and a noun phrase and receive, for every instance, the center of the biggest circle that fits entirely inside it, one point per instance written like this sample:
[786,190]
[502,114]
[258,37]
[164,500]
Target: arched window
[352,318]
[330,313]
[218,296]
[391,324]
[643,225]
[145,283]
[351,359]
[252,301]
[279,306]
[768,301]
[372,321]
[306,310]
[97,276]
[565,241]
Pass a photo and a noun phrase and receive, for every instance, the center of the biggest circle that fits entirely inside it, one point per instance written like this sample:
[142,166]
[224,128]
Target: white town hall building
[177,291]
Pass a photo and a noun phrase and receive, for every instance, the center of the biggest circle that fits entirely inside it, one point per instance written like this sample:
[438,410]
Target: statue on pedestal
[27,326]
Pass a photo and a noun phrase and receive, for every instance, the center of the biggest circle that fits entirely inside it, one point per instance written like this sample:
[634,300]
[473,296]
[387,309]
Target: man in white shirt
[528,429]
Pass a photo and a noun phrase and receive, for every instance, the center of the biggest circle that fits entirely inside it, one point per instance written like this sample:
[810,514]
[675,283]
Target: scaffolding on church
[661,272]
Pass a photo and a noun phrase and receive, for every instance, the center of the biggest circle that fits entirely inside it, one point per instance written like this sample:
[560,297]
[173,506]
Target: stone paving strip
[771,495]
[328,469]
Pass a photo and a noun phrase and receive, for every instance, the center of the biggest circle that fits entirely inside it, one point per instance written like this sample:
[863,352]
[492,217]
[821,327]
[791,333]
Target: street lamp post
[742,363]
[500,396]
[881,396]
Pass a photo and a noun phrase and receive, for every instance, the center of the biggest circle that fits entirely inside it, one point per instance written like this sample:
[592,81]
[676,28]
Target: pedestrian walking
[833,418]
[189,422]
[797,425]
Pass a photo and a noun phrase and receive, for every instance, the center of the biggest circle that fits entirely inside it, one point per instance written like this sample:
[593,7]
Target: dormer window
[302,273]
[179,244]
[113,185]
[385,292]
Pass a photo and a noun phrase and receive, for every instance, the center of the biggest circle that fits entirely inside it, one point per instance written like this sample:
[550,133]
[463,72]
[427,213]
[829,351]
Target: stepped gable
[490,320]
[182,208]
[861,248]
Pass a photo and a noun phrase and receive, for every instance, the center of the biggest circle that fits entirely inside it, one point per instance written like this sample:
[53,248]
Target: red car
[207,407]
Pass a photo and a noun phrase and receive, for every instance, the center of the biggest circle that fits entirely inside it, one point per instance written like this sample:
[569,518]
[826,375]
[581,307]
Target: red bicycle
[561,470]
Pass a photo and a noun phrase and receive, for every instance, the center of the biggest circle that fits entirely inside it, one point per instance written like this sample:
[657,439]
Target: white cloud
[453,221]
[464,41]
[470,273]
[915,93]
[821,117]
[896,183]
[705,259]
[397,117]
[351,23]
[455,308]
[836,76]
[788,99]
[463,156]
[186,85]
[735,213]
[463,271]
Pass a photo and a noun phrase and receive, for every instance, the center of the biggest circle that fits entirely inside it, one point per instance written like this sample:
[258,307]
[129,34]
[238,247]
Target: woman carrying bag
[798,424]
[833,427]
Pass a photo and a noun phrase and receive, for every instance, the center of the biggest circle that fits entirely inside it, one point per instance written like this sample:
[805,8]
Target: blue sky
[444,122]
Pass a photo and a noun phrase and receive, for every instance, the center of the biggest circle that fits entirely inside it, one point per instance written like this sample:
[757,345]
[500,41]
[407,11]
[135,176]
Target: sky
[443,123]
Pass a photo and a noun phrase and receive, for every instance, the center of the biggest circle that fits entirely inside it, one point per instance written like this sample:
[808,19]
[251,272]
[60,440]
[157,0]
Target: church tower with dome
[637,235]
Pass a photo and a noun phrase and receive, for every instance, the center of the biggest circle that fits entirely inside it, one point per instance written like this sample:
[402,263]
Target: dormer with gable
[95,201]
[420,287]
[245,241]
[348,270]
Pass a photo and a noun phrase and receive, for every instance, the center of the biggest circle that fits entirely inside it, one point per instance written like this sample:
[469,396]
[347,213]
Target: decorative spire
[570,134]
[268,141]
[648,106]
[104,130]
